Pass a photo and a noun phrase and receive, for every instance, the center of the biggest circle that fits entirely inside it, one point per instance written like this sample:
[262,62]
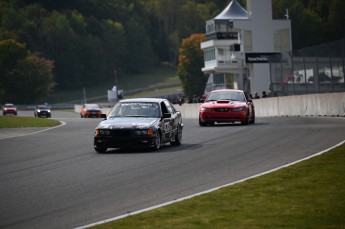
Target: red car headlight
[238,109]
[206,109]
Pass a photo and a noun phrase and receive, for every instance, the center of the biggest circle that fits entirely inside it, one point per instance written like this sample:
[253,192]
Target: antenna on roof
[287,14]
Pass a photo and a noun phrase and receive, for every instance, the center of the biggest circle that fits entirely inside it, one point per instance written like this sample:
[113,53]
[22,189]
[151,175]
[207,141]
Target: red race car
[226,106]
[9,108]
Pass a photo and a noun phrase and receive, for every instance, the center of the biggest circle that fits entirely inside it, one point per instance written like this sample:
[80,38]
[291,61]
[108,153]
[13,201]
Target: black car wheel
[100,149]
[201,123]
[178,137]
[246,121]
[157,141]
[253,118]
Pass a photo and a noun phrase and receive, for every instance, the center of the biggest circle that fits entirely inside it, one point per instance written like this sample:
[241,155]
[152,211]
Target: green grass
[153,78]
[310,194]
[19,122]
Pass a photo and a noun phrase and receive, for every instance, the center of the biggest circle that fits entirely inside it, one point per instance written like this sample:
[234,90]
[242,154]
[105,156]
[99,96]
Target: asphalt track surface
[54,178]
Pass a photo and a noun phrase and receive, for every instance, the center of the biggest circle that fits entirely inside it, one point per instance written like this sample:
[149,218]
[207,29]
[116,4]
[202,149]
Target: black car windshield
[226,95]
[135,109]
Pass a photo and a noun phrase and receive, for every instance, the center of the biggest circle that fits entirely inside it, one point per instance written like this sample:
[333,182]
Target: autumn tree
[25,77]
[191,60]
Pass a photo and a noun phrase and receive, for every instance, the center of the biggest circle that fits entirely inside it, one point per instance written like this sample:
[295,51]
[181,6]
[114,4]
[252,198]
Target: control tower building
[239,43]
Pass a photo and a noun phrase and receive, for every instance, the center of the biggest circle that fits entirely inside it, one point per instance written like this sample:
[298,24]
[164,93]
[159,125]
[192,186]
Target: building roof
[233,11]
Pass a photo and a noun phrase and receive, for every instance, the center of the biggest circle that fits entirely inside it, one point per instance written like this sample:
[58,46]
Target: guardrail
[328,104]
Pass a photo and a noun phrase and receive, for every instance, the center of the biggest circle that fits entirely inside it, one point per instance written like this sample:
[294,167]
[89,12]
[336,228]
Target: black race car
[42,111]
[142,122]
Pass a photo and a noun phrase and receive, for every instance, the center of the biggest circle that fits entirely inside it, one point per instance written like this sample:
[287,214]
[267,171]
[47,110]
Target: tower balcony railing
[222,36]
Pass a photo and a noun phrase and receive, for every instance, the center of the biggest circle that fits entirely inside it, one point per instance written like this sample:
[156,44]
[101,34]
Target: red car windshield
[9,106]
[90,107]
[226,95]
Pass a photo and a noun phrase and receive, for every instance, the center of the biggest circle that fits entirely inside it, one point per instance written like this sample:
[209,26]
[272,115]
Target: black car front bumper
[124,138]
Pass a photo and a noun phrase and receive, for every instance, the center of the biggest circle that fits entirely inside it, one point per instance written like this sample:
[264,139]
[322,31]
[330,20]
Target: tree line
[82,42]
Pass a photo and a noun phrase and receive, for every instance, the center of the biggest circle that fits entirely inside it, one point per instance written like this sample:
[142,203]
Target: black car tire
[246,122]
[253,119]
[100,149]
[157,141]
[178,137]
[201,123]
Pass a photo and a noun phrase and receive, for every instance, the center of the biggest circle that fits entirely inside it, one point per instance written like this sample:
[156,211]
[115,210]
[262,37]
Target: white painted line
[207,191]
[35,132]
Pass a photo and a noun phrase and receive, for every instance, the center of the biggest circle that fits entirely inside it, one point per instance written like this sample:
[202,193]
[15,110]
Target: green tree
[336,19]
[89,39]
[139,47]
[63,46]
[10,53]
[191,60]
[32,80]
[25,78]
[115,47]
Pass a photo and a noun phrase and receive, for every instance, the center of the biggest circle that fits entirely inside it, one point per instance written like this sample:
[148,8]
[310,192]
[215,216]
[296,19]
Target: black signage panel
[263,58]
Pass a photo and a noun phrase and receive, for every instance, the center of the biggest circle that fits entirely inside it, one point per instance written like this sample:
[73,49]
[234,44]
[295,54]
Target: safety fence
[317,69]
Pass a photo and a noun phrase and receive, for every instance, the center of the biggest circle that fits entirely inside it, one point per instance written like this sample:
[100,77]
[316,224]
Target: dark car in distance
[9,108]
[140,122]
[42,111]
[226,106]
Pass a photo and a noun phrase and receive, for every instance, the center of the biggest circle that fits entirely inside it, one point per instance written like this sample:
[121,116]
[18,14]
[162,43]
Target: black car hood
[127,122]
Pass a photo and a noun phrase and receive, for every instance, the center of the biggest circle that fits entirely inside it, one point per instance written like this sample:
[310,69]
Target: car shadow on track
[163,149]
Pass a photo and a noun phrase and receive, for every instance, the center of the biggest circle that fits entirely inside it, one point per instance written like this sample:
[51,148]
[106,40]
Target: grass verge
[310,194]
[19,122]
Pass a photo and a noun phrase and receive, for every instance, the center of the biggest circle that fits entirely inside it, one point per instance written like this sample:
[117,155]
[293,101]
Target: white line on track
[35,132]
[207,191]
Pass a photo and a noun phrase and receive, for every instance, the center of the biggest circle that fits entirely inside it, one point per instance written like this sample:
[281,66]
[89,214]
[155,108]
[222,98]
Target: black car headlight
[102,132]
[148,132]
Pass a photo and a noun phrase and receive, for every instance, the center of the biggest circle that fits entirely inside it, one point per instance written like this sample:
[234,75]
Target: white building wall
[260,14]
[260,78]
[262,27]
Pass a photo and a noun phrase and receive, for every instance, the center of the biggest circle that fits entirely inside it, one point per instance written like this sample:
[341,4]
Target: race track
[54,179]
